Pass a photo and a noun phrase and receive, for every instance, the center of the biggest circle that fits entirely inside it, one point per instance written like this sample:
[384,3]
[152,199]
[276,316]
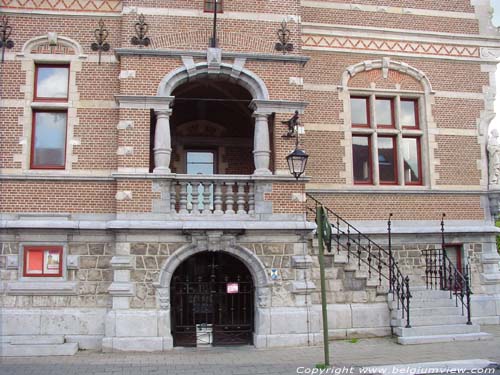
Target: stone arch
[241,76]
[251,261]
[50,38]
[385,65]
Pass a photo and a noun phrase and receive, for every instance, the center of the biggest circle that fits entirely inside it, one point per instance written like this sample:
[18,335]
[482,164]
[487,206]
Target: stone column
[163,144]
[261,148]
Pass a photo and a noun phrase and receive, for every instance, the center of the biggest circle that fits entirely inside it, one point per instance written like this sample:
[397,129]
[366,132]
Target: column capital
[166,112]
[156,103]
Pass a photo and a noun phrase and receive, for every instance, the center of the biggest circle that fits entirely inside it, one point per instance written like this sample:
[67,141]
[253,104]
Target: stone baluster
[218,198]
[173,196]
[183,198]
[261,145]
[162,145]
[251,198]
[229,198]
[195,193]
[206,197]
[240,198]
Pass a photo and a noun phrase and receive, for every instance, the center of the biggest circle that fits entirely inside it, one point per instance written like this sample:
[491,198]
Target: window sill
[41,288]
[50,105]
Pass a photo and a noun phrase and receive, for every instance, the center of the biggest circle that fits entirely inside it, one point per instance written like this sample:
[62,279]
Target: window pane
[200,157]
[361,159]
[50,139]
[411,160]
[34,262]
[384,112]
[359,115]
[52,82]
[386,159]
[408,115]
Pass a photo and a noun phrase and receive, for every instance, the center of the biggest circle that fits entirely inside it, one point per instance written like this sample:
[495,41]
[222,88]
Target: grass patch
[320,366]
[353,341]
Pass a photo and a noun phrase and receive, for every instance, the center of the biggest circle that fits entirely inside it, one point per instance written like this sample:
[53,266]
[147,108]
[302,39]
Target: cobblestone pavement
[248,360]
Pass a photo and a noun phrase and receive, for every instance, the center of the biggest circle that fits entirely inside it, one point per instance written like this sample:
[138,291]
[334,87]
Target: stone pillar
[261,148]
[163,144]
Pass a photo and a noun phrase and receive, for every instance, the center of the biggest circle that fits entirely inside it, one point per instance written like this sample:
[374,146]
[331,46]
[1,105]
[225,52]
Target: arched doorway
[212,301]
[212,128]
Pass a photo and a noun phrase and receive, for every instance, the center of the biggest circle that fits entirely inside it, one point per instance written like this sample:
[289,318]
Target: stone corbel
[12,262]
[73,262]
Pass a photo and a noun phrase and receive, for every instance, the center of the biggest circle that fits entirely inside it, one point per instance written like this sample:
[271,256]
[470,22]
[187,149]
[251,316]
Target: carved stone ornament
[494,158]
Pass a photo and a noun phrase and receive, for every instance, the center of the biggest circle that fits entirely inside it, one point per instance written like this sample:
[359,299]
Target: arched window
[386,114]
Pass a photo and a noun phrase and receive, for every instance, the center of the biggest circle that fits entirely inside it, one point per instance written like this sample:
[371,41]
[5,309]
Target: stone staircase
[434,318]
[27,346]
[362,275]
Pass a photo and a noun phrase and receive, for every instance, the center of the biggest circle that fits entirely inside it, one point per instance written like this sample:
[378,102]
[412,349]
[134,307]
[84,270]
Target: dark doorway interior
[212,299]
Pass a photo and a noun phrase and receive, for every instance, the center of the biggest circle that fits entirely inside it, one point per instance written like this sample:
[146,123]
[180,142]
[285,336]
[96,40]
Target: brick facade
[124,209]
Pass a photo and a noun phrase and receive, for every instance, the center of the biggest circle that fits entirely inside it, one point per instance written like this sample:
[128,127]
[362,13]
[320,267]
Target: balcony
[212,195]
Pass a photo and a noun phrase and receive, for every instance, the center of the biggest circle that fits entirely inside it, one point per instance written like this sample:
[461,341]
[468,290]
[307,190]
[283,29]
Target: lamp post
[297,159]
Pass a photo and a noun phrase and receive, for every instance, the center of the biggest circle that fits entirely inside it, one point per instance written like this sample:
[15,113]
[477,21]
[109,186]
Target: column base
[262,172]
[162,170]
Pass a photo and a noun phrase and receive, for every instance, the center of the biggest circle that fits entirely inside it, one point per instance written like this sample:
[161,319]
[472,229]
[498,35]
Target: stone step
[450,329]
[383,289]
[429,294]
[7,350]
[432,311]
[36,340]
[416,304]
[340,258]
[414,340]
[417,321]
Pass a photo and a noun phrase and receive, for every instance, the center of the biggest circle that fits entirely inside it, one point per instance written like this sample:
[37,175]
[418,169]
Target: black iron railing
[379,261]
[443,274]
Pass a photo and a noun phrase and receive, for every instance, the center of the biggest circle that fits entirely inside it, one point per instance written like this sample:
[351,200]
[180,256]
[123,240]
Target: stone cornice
[277,106]
[230,55]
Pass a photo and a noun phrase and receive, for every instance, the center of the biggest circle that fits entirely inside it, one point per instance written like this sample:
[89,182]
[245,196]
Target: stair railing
[441,273]
[346,237]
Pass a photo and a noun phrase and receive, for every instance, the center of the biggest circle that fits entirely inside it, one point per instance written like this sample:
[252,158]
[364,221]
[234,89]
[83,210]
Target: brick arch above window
[385,70]
[61,44]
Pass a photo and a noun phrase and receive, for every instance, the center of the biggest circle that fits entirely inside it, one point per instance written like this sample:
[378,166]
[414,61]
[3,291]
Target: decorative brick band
[65,5]
[437,49]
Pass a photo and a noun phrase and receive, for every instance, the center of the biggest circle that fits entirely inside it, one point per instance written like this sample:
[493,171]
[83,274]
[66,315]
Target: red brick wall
[57,196]
[98,136]
[372,206]
[327,68]
[458,158]
[10,134]
[453,6]
[142,196]
[390,20]
[281,196]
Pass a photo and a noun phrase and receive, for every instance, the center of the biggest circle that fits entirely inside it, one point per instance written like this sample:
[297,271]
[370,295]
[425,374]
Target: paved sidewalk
[248,360]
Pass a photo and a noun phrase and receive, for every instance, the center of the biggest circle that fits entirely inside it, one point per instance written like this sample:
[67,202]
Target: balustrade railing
[379,260]
[442,274]
[212,195]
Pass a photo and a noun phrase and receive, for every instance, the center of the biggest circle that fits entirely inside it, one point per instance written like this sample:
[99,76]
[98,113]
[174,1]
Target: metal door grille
[200,298]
